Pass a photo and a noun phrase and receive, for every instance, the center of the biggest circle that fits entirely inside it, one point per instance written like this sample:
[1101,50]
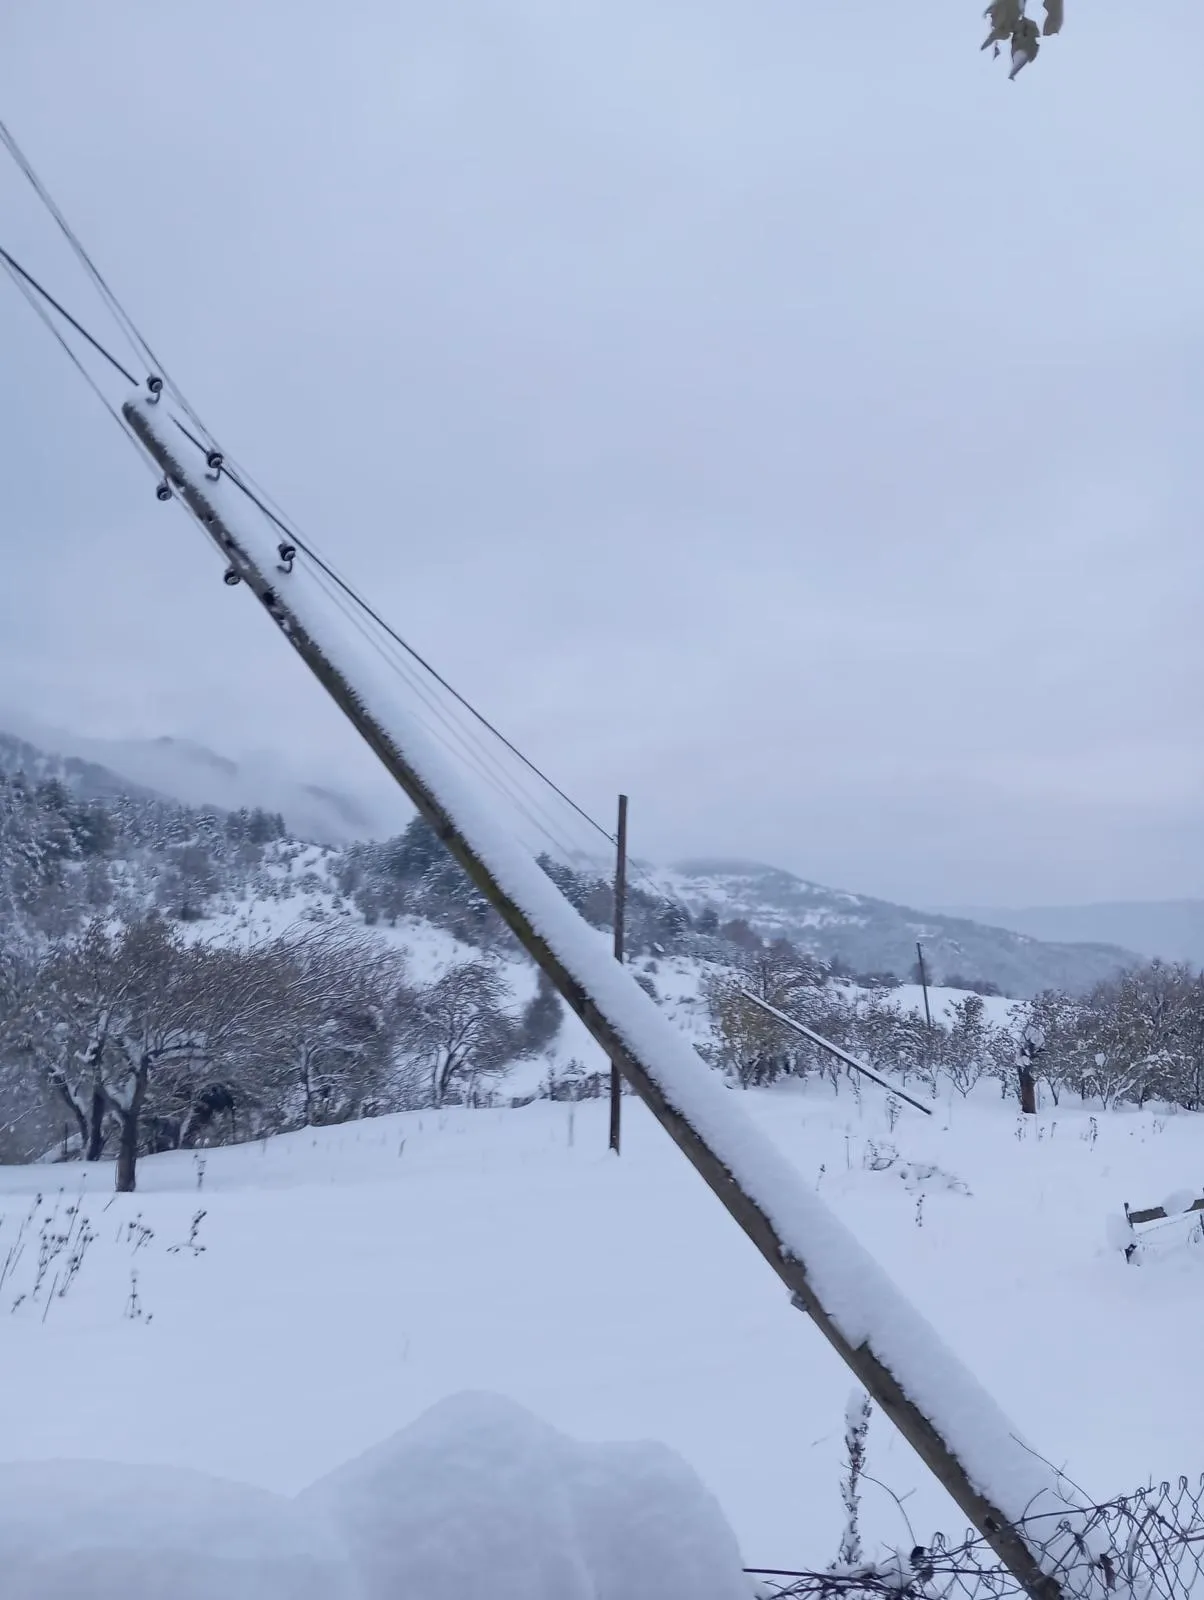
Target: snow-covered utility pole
[923,971]
[934,1400]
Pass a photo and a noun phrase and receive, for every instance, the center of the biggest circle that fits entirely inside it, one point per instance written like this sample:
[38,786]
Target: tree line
[122,1032]
[1133,1039]
[135,1039]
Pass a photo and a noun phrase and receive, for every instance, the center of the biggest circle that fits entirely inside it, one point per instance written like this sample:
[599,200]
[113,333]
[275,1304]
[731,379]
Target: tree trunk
[96,1125]
[127,1147]
[1028,1091]
[68,1100]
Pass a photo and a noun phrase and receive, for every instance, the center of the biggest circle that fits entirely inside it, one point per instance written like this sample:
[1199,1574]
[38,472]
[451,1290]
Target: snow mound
[479,1500]
[921,1176]
[1180,1202]
[93,1530]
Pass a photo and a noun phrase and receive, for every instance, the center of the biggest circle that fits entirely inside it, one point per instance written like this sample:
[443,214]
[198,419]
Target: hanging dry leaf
[1004,17]
[1026,41]
[1053,16]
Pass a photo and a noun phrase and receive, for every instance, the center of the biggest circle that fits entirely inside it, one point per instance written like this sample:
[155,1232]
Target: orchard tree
[58,1025]
[159,1016]
[462,1031]
[748,1041]
[342,1005]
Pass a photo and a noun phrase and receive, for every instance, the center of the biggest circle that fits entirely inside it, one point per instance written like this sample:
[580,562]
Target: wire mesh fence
[1148,1545]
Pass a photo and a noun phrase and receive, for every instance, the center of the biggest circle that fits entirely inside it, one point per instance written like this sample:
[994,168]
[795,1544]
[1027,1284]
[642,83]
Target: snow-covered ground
[342,1281]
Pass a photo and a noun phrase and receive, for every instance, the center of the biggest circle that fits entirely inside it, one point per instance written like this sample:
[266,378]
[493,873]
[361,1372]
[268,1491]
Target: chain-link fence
[1148,1545]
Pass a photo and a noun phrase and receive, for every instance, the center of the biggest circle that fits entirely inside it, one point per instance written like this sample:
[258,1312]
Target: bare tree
[344,1002]
[59,1024]
[463,1033]
[164,1013]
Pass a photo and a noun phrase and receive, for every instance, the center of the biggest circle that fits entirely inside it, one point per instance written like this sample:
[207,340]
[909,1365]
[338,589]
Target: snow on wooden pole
[937,1404]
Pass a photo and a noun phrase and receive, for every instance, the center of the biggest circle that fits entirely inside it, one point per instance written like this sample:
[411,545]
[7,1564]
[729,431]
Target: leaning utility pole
[936,1403]
[616,1077]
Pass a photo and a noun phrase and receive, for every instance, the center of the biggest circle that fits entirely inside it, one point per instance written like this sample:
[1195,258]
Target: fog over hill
[184,770]
[863,933]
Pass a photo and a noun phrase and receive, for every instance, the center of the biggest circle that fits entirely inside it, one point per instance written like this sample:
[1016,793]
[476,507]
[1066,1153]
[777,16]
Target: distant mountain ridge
[867,934]
[1171,930]
[877,935]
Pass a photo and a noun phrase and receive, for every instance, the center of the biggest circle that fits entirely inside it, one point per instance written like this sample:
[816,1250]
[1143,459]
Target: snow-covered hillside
[302,889]
[872,935]
[866,934]
[266,1312]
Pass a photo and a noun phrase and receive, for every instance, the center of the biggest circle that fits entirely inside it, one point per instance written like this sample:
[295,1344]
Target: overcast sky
[763,408]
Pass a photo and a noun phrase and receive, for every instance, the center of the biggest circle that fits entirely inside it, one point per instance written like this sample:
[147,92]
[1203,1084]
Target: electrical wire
[477,757]
[449,735]
[240,482]
[28,280]
[26,286]
[485,760]
[124,321]
[482,753]
[30,287]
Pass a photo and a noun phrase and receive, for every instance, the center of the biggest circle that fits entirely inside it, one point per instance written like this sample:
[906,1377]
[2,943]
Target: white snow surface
[349,1278]
[862,1301]
[73,1530]
[476,1500]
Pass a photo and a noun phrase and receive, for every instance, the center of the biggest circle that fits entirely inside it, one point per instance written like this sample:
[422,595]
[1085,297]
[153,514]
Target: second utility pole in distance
[616,1080]
[923,984]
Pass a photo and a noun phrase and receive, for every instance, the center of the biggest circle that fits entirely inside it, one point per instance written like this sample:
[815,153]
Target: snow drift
[477,1500]
[76,1530]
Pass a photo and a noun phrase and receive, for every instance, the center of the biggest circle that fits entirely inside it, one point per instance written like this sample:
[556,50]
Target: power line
[474,755]
[240,483]
[39,298]
[123,319]
[272,508]
[30,287]
[28,278]
[26,286]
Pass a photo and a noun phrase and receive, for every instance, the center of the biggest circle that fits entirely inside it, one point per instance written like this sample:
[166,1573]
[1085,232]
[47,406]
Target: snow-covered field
[342,1281]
